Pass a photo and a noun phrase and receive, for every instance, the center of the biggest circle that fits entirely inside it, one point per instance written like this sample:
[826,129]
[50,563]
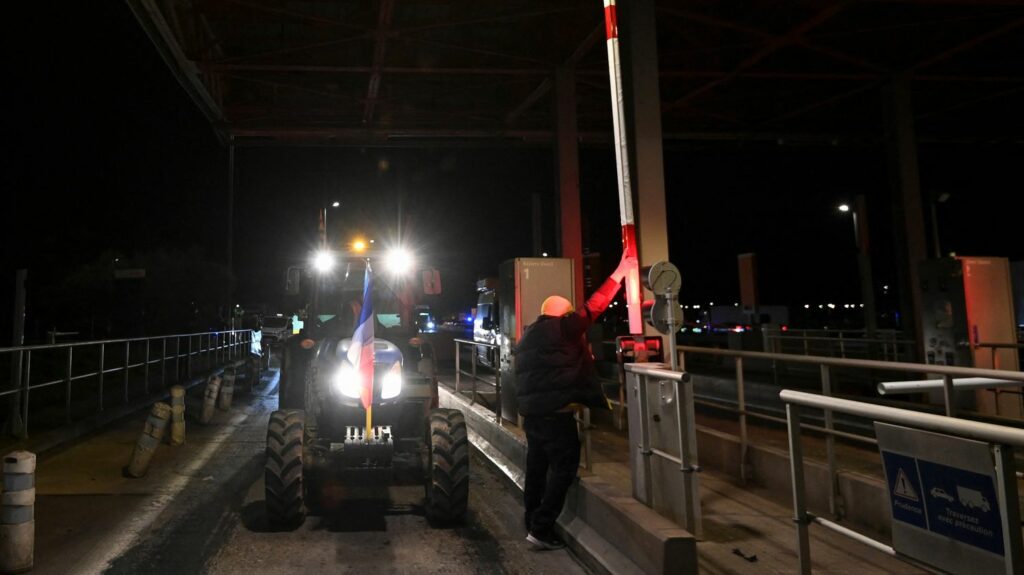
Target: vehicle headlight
[391,385]
[346,381]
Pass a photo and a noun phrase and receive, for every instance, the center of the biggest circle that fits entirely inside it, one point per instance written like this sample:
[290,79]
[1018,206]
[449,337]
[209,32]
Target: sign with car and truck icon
[945,508]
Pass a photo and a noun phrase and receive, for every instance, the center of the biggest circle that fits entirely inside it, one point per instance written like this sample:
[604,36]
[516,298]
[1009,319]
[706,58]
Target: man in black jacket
[555,373]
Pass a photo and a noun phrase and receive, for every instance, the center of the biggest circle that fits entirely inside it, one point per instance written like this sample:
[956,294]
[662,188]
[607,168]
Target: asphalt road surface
[200,510]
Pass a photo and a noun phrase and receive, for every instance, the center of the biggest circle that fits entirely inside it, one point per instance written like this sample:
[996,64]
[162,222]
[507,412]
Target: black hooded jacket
[553,363]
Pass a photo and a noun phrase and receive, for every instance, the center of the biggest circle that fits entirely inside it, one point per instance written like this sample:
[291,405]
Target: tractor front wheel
[283,469]
[448,478]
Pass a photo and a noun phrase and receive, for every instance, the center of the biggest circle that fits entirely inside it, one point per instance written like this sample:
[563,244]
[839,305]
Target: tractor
[322,433]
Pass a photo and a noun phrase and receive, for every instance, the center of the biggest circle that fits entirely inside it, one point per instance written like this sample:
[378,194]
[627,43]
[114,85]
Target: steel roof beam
[945,54]
[545,86]
[184,70]
[380,46]
[794,35]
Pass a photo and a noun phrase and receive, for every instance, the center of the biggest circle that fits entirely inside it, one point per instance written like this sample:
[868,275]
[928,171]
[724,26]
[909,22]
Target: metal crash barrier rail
[826,366]
[675,402]
[67,363]
[475,377]
[931,527]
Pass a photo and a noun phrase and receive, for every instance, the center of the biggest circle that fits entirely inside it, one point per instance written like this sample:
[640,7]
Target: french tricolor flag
[360,353]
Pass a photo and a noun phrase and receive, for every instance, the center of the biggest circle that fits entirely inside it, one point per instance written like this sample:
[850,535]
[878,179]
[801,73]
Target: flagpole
[369,422]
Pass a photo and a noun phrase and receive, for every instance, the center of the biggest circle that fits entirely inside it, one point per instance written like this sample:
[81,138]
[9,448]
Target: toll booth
[523,284]
[967,312]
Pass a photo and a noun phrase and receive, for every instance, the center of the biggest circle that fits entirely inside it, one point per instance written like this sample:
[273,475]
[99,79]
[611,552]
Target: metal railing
[686,439]
[826,364]
[86,366]
[887,345]
[1003,437]
[475,377]
[994,347]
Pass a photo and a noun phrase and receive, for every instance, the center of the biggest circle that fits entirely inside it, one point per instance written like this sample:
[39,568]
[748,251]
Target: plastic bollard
[148,441]
[210,399]
[177,434]
[17,515]
[227,389]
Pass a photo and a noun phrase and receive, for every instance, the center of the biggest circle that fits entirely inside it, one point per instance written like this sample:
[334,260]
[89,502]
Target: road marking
[128,533]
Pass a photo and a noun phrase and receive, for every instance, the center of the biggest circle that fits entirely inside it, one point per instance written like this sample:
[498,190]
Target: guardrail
[994,347]
[93,362]
[887,345]
[459,372]
[825,365]
[1001,436]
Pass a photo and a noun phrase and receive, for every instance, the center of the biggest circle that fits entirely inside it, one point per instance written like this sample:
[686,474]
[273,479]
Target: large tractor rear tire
[448,480]
[283,469]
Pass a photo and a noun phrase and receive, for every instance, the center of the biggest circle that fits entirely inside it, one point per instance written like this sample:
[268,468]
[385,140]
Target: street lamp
[860,237]
[937,199]
[322,231]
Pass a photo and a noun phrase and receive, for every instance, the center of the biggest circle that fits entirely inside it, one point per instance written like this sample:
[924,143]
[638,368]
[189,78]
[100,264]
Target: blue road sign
[905,492]
[962,505]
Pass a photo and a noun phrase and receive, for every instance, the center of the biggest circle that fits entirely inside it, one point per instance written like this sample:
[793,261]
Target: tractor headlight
[391,385]
[346,381]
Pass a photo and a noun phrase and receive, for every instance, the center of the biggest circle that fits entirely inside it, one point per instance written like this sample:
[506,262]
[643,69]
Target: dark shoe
[545,541]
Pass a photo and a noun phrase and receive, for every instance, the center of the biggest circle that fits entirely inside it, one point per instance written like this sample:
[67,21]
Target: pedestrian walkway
[746,529]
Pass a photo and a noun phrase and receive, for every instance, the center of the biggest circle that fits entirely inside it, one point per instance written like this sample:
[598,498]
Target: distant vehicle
[276,328]
[425,319]
[972,499]
[485,324]
[939,493]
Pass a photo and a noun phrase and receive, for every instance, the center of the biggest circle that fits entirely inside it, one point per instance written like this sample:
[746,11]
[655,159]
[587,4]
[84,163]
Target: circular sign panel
[664,278]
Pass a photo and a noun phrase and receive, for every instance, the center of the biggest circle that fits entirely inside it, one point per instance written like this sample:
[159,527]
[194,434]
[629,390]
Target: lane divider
[210,399]
[17,514]
[152,433]
[177,435]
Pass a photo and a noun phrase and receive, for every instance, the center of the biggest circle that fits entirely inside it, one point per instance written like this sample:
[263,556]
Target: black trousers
[552,457]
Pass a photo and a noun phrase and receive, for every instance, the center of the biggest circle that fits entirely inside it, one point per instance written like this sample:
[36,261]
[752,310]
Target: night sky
[105,153]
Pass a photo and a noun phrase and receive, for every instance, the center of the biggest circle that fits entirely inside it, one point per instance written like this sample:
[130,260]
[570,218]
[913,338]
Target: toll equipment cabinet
[967,301]
[523,284]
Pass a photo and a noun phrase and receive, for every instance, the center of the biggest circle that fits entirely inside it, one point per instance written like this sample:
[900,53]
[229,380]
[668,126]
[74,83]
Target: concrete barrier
[210,399]
[17,515]
[148,441]
[177,434]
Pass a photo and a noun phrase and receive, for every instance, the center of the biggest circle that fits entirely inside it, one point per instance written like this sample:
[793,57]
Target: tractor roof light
[323,262]
[398,262]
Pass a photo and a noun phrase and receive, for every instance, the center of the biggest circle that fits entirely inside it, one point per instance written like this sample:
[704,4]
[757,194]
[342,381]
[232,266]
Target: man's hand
[625,264]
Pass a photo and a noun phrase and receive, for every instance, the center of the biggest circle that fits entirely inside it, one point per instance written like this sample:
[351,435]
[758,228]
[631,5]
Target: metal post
[834,503]
[586,438]
[497,395]
[645,438]
[796,465]
[127,362]
[458,366]
[688,456]
[842,346]
[177,358]
[103,353]
[25,390]
[948,395]
[472,401]
[163,361]
[741,403]
[67,385]
[1006,483]
[188,369]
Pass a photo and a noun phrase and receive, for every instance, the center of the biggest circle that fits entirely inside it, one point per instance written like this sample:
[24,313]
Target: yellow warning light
[359,246]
